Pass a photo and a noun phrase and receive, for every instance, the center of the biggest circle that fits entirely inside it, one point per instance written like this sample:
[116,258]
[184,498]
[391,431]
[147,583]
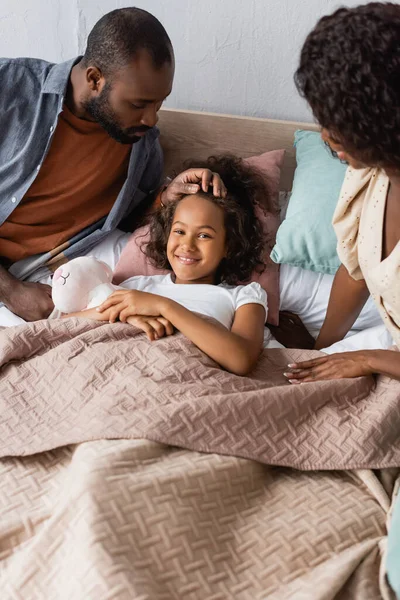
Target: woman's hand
[291,332]
[192,181]
[123,304]
[334,366]
[154,327]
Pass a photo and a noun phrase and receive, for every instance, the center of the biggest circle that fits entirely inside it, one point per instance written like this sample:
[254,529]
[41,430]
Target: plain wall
[41,28]
[232,56]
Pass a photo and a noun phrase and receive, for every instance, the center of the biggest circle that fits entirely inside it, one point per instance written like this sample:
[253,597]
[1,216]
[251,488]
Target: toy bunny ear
[107,269]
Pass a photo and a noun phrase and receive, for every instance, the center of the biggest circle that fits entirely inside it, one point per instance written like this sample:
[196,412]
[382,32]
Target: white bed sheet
[302,292]
[306,294]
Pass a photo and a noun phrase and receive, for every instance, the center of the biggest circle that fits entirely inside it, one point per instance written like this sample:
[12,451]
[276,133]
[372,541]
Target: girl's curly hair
[248,246]
[349,73]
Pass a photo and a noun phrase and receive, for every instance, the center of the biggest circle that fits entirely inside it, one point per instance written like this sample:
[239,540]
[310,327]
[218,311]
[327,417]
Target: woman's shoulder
[359,188]
[355,185]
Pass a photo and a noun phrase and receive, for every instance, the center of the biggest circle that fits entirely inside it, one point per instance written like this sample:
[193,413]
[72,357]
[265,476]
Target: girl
[350,74]
[209,244]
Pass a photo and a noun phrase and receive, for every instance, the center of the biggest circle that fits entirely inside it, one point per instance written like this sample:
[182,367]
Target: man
[79,150]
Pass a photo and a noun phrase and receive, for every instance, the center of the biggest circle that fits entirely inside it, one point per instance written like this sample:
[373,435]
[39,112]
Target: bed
[132,471]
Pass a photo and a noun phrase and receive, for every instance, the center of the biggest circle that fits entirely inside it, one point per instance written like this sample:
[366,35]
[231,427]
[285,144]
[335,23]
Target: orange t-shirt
[76,186]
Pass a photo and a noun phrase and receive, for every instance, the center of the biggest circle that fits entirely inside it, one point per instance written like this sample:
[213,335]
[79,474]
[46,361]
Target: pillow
[270,165]
[306,294]
[134,262]
[284,199]
[306,237]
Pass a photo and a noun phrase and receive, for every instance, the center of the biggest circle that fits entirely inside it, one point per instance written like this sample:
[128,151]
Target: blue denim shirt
[31,98]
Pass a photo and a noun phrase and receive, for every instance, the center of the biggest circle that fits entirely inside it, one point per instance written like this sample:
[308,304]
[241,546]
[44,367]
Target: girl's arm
[346,301]
[90,313]
[237,350]
[154,327]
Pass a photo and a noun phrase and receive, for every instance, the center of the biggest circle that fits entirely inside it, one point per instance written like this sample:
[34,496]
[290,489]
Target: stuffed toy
[82,283]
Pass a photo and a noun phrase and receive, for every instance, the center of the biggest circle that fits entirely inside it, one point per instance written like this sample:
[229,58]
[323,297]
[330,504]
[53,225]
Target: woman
[350,75]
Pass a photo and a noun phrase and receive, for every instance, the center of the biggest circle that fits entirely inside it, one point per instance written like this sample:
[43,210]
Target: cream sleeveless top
[358,222]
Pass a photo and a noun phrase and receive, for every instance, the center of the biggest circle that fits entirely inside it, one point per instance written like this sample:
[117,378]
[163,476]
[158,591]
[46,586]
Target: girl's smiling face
[197,240]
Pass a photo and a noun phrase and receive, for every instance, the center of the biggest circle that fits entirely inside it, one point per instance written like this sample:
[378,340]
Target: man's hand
[334,366]
[192,181]
[30,301]
[291,332]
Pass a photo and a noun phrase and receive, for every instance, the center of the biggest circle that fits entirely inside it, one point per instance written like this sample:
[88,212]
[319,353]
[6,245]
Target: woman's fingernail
[294,381]
[292,366]
[287,375]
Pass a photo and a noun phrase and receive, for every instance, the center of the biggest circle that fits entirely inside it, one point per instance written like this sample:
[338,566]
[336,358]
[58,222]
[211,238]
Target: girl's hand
[154,327]
[131,303]
[334,366]
[91,313]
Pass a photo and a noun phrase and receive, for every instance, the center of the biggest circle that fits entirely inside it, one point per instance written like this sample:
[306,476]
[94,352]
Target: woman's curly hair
[349,73]
[248,245]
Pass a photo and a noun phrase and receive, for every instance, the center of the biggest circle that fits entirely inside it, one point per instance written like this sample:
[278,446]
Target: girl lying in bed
[209,244]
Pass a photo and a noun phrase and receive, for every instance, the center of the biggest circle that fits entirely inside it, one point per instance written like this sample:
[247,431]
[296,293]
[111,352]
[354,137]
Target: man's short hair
[118,36]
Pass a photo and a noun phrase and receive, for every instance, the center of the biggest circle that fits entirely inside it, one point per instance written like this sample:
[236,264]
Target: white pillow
[306,294]
[373,338]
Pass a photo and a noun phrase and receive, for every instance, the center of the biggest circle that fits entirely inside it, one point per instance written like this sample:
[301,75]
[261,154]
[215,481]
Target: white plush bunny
[83,282]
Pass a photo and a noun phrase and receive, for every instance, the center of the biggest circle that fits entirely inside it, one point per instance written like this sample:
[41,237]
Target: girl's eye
[179,231]
[204,236]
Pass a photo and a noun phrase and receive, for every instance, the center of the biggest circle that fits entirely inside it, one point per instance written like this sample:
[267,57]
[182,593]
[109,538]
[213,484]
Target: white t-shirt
[217,301]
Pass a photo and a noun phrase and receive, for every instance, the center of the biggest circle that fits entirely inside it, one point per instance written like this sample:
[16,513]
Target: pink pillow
[270,164]
[134,262]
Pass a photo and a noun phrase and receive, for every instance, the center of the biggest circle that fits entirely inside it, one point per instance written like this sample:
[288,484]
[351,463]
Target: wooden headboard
[197,135]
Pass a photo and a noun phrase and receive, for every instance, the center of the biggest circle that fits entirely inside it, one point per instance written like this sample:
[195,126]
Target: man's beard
[100,110]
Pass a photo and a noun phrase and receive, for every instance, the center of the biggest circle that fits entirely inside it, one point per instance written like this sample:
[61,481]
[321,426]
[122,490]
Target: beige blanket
[131,519]
[68,381]
[135,520]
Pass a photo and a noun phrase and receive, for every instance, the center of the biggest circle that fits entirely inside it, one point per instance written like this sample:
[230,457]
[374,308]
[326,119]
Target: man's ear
[95,79]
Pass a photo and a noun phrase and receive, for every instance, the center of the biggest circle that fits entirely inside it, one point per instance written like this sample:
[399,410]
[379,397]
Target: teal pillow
[306,237]
[393,550]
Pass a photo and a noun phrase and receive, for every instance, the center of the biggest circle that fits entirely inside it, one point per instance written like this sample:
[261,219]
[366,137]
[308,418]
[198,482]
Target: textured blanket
[68,381]
[132,519]
[135,520]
